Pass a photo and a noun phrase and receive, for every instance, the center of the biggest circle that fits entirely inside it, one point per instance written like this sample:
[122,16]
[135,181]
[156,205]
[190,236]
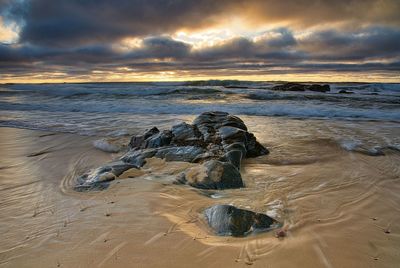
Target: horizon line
[201,80]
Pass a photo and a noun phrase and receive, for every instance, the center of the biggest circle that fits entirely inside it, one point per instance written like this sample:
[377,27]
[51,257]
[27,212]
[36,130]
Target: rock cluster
[302,87]
[218,142]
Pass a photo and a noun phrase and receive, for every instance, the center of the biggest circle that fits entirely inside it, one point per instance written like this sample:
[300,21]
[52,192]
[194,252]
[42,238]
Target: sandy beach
[339,209]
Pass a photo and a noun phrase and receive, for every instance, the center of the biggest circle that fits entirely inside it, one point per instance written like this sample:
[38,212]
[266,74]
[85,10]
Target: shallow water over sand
[339,204]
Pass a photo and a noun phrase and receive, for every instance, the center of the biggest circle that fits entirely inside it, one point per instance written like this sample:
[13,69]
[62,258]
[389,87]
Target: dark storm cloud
[71,22]
[78,37]
[283,38]
[68,22]
[307,52]
[159,48]
[372,42]
[245,49]
[31,53]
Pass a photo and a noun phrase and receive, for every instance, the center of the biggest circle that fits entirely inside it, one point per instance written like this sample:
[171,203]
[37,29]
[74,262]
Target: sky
[177,40]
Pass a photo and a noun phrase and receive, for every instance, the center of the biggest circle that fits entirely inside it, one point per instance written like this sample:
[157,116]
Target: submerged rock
[229,220]
[216,140]
[302,87]
[343,91]
[290,87]
[318,88]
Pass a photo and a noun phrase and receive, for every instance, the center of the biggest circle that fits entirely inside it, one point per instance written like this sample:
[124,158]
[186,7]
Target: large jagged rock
[302,87]
[217,141]
[139,141]
[183,131]
[229,220]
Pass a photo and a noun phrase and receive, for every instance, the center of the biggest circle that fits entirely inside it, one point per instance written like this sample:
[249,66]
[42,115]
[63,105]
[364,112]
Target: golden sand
[340,209]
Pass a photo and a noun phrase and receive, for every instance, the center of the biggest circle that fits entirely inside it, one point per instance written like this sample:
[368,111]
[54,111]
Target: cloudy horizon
[84,41]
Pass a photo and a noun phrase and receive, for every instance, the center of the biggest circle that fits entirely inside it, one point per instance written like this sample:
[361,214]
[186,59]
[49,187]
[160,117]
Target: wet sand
[340,208]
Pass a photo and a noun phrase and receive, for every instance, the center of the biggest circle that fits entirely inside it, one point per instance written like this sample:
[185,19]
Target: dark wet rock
[343,91]
[204,157]
[98,178]
[301,87]
[212,174]
[231,133]
[159,140]
[233,121]
[375,151]
[216,140]
[289,87]
[318,88]
[234,157]
[183,131]
[393,148]
[181,153]
[137,157]
[229,220]
[119,167]
[236,146]
[138,141]
[253,147]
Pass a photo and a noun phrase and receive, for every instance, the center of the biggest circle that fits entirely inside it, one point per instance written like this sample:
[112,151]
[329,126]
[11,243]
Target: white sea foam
[274,207]
[106,146]
[350,145]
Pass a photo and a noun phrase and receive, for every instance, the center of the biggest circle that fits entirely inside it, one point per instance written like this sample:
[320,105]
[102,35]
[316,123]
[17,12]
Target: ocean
[90,107]
[118,109]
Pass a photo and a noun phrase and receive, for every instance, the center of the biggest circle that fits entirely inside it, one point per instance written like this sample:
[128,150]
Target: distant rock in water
[229,220]
[302,87]
[217,141]
[343,91]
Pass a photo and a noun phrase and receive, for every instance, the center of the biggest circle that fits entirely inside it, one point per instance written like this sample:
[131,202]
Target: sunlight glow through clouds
[9,33]
[232,27]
